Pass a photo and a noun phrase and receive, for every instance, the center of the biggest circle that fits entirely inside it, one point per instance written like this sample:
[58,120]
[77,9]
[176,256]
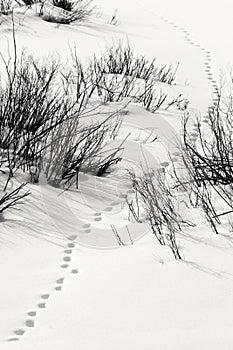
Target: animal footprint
[30,323]
[86,225]
[60,281]
[45,296]
[13,339]
[87,231]
[97,214]
[32,313]
[98,219]
[74,271]
[70,245]
[115,203]
[108,209]
[64,266]
[58,288]
[68,251]
[19,331]
[42,305]
[165,164]
[66,258]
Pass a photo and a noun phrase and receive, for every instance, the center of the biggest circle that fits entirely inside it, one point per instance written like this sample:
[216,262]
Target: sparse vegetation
[66,11]
[207,154]
[64,4]
[6,7]
[13,198]
[119,74]
[159,207]
[46,123]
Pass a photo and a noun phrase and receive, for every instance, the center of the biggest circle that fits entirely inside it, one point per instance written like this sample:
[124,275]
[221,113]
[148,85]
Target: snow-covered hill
[65,282]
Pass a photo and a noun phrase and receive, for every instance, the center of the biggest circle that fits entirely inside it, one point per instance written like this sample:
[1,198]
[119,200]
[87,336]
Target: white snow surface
[65,283]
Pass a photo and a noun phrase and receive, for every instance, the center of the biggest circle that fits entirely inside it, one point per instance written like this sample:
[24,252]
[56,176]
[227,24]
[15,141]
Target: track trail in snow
[32,316]
[207,59]
[207,55]
[207,66]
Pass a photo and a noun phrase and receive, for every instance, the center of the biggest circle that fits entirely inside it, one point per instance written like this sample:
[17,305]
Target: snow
[65,281]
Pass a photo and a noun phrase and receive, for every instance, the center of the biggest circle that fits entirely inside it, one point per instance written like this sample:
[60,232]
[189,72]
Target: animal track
[66,258]
[13,339]
[70,245]
[68,251]
[165,164]
[64,266]
[108,209]
[30,323]
[32,313]
[98,219]
[42,305]
[207,63]
[58,288]
[86,231]
[45,296]
[19,331]
[115,203]
[60,280]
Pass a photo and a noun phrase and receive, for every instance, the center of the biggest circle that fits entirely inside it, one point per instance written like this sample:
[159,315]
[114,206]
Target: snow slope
[59,289]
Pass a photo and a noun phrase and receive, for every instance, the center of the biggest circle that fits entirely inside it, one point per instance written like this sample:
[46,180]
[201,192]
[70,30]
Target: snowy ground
[61,288]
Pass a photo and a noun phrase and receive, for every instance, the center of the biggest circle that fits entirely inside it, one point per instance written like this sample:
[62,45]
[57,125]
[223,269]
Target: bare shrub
[113,20]
[64,4]
[208,158]
[150,99]
[119,74]
[31,106]
[120,59]
[74,148]
[82,9]
[6,7]
[158,203]
[13,198]
[117,236]
[29,3]
[39,122]
[66,11]
[180,102]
